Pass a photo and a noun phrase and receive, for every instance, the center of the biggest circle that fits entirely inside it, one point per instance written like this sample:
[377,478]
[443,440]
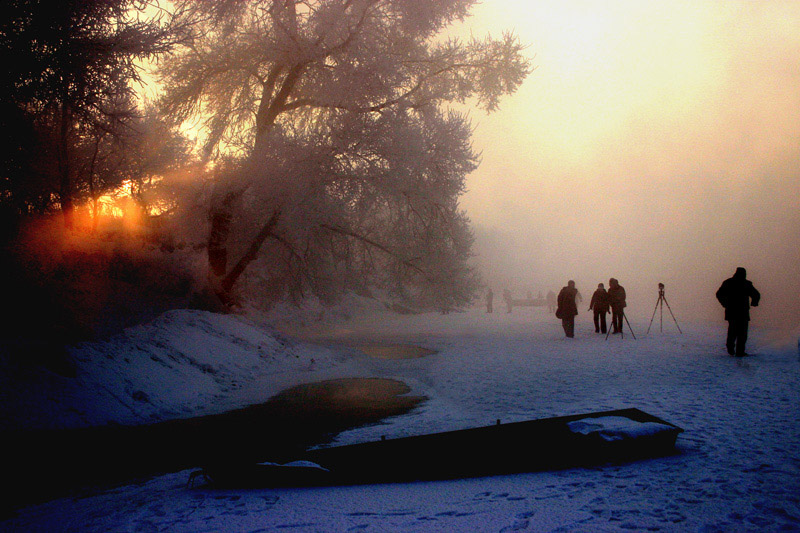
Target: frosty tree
[344,165]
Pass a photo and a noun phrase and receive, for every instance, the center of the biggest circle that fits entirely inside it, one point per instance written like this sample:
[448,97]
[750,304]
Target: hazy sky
[654,142]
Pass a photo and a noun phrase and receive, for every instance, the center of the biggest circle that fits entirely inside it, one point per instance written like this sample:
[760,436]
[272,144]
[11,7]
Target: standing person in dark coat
[616,299]
[735,295]
[567,308]
[599,304]
[489,301]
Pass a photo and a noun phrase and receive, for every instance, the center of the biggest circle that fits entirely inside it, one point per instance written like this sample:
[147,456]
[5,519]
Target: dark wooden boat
[546,444]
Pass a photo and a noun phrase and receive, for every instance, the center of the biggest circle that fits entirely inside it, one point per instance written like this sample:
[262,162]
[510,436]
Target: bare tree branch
[369,241]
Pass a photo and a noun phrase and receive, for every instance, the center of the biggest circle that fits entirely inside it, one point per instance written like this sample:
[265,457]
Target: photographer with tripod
[616,298]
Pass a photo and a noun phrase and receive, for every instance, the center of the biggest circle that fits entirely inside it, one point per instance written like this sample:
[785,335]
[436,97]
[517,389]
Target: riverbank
[57,463]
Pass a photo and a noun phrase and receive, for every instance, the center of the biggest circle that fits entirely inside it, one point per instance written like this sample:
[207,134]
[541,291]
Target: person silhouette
[567,308]
[507,299]
[551,301]
[489,301]
[599,304]
[616,299]
[735,294]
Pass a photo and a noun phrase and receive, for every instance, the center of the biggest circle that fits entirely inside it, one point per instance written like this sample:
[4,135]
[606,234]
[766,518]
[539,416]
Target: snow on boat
[546,444]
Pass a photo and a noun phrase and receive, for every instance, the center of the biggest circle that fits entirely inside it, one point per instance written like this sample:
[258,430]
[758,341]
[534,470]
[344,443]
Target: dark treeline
[328,158]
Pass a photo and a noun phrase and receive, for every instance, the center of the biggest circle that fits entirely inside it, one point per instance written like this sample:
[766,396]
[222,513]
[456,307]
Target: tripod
[621,330]
[660,303]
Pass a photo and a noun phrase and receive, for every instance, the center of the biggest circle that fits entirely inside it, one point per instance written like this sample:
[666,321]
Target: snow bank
[184,363]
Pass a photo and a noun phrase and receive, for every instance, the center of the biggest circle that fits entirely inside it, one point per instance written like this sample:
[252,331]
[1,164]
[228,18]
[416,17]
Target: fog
[654,142]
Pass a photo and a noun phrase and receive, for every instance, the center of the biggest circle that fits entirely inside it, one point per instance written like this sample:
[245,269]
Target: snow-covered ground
[737,467]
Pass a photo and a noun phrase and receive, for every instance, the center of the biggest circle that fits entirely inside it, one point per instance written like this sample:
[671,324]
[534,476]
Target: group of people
[602,302]
[736,295]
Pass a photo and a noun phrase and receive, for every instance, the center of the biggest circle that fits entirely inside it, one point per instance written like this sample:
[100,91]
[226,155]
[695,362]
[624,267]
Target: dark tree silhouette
[69,67]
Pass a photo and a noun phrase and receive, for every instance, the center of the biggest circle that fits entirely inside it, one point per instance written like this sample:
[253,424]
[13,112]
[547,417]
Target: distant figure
[530,295]
[735,295]
[616,299]
[507,299]
[599,304]
[551,301]
[567,308]
[489,301]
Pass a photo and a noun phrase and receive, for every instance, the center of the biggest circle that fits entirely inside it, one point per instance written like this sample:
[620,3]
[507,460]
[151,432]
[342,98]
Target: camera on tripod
[660,304]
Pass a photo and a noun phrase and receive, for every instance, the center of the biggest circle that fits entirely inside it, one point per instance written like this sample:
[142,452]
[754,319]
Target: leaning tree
[348,165]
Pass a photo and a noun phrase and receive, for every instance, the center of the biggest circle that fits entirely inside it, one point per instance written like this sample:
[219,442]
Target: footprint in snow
[521,521]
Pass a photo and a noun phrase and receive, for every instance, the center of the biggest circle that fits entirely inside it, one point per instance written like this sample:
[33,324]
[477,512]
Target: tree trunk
[221,216]
[92,193]
[269,108]
[219,233]
[95,214]
[65,189]
[252,252]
